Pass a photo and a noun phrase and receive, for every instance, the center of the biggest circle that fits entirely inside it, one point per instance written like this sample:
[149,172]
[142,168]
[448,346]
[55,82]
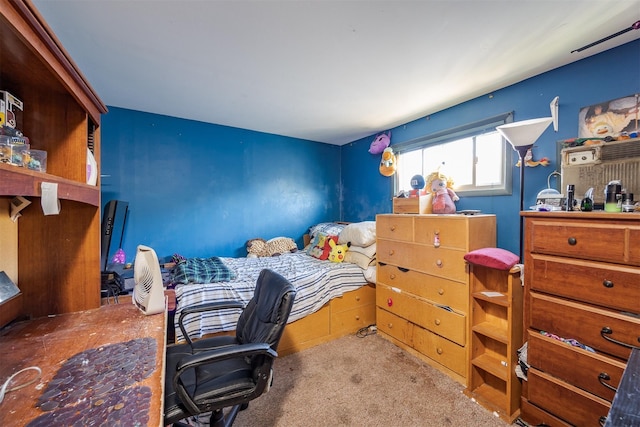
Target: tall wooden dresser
[582,286]
[422,287]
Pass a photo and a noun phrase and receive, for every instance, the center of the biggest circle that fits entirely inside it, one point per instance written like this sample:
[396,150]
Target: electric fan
[148,292]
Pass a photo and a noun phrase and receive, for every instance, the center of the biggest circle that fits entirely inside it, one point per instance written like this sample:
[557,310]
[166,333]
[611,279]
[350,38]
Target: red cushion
[497,258]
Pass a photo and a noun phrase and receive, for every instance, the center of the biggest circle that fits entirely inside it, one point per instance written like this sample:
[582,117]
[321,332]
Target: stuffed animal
[443,196]
[388,162]
[257,248]
[281,245]
[338,251]
[277,246]
[379,143]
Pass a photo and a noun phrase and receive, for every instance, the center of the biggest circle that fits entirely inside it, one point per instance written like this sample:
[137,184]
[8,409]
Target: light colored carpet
[367,381]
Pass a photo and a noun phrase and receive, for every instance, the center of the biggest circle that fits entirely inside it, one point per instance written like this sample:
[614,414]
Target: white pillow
[369,251]
[360,260]
[359,234]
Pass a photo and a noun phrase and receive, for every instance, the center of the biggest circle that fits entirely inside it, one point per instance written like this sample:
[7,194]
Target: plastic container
[12,153]
[35,160]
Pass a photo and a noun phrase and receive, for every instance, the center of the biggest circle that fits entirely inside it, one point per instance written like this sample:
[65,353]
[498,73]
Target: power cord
[4,390]
[367,330]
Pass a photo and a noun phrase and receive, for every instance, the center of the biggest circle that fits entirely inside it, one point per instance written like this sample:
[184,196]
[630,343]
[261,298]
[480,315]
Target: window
[476,156]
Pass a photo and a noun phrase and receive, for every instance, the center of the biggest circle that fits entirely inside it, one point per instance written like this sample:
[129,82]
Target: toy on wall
[528,160]
[388,162]
[443,196]
[379,143]
[338,251]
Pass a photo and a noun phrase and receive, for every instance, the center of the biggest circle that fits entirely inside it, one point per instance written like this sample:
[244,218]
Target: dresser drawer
[394,326]
[591,326]
[443,351]
[607,285]
[395,227]
[439,290]
[447,232]
[362,296]
[448,324]
[595,240]
[589,371]
[570,403]
[442,262]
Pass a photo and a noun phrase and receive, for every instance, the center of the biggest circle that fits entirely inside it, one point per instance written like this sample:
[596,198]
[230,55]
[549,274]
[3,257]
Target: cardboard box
[412,205]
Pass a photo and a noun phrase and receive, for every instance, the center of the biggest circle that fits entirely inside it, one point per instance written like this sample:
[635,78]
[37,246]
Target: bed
[333,299]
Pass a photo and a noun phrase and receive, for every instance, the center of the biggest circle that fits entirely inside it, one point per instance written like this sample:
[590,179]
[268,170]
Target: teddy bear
[259,247]
[338,251]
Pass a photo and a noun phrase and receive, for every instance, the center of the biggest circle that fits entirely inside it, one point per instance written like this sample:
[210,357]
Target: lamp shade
[526,132]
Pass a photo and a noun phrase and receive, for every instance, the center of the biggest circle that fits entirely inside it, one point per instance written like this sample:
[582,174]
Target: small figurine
[443,196]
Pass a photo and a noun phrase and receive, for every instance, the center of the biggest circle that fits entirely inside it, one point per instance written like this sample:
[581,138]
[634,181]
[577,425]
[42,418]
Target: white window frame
[470,130]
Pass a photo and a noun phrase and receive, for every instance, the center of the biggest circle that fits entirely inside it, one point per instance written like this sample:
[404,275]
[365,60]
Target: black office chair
[211,374]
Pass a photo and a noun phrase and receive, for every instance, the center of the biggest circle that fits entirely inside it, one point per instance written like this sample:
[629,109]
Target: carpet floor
[368,381]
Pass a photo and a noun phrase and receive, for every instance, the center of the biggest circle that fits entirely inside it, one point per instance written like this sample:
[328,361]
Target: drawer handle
[439,350]
[602,420]
[608,331]
[437,322]
[572,241]
[391,252]
[439,263]
[436,239]
[392,228]
[605,377]
[390,325]
[607,284]
[440,291]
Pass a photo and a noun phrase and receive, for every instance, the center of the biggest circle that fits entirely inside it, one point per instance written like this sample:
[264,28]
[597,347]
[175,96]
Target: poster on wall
[615,118]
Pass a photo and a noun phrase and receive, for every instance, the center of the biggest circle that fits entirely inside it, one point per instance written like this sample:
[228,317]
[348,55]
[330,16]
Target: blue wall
[200,189]
[612,74]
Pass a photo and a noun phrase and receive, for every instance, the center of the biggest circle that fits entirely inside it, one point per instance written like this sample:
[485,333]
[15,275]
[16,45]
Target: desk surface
[54,344]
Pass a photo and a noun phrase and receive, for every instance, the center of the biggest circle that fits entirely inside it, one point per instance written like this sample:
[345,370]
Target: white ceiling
[327,71]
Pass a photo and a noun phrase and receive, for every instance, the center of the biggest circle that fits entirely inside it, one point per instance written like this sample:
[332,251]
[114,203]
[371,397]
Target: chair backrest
[266,315]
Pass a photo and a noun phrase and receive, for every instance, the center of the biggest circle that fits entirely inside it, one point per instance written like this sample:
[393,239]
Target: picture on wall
[611,118]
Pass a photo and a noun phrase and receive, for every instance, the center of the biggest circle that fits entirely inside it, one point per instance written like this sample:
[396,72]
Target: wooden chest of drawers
[582,282]
[422,289]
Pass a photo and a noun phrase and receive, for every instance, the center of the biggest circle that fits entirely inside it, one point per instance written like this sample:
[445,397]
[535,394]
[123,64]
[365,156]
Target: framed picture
[610,118]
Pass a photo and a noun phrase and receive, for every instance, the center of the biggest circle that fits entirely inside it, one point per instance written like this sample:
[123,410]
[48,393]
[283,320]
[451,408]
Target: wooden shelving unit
[56,261]
[495,315]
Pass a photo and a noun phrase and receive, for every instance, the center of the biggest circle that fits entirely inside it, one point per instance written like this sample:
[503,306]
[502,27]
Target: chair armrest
[200,308]
[224,353]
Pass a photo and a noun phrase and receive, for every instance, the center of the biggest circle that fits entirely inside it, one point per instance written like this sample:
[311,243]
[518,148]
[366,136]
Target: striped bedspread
[316,282]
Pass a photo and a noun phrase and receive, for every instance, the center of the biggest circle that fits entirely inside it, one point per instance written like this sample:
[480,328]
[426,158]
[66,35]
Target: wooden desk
[54,343]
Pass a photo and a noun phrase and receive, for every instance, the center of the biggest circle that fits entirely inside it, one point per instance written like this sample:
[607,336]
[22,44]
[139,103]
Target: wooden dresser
[422,289]
[582,282]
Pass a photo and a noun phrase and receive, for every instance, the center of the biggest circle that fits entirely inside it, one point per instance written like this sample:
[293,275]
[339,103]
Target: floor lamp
[522,135]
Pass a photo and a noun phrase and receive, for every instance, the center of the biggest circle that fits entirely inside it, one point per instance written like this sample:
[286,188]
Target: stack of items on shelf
[14,146]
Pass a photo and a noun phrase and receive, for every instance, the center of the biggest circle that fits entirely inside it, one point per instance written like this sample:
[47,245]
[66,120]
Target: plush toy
[338,251]
[256,248]
[380,142]
[277,246]
[388,162]
[281,245]
[443,196]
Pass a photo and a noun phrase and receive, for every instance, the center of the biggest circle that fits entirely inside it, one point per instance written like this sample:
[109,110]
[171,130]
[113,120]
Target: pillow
[319,247]
[369,251]
[202,270]
[359,233]
[497,258]
[328,228]
[359,259]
